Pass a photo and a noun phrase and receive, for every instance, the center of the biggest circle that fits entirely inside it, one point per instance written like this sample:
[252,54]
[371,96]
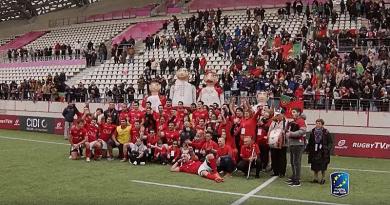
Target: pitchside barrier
[356,134]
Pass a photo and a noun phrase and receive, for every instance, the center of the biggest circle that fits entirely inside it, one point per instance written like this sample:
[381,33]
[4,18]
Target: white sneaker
[142,163]
[88,160]
[70,157]
[109,159]
[135,162]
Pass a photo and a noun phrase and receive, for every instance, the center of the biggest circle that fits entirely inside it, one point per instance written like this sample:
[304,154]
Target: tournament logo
[341,144]
[339,184]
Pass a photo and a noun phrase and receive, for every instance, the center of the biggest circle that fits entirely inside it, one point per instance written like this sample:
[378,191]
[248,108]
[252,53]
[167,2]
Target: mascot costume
[262,101]
[154,98]
[182,90]
[211,93]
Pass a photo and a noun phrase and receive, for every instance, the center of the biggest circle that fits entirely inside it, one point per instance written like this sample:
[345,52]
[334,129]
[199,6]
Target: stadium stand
[22,40]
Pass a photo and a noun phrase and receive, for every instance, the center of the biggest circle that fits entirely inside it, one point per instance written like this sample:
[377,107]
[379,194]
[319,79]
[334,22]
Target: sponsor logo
[59,126]
[339,185]
[341,144]
[36,123]
[375,145]
[6,121]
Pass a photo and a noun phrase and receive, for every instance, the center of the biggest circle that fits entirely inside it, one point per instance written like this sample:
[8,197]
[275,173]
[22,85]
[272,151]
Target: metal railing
[347,44]
[310,102]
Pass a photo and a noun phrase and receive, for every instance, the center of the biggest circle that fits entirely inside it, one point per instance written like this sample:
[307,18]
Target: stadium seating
[110,74]
[22,40]
[95,32]
[39,70]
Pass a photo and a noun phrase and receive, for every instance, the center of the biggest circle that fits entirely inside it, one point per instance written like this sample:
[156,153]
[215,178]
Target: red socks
[97,153]
[213,164]
[87,152]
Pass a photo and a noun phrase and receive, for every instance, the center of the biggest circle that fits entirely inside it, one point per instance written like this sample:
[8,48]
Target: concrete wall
[352,122]
[9,28]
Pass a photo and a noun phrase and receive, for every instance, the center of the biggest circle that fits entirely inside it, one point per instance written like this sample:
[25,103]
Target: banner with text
[375,146]
[31,123]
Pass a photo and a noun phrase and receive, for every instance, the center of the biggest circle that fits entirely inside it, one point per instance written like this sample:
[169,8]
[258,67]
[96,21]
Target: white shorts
[104,144]
[91,144]
[204,167]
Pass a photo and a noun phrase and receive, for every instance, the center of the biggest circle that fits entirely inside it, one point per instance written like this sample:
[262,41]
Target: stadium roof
[25,9]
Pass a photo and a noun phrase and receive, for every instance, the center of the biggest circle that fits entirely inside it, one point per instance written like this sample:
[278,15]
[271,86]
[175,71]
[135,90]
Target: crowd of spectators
[317,74]
[59,52]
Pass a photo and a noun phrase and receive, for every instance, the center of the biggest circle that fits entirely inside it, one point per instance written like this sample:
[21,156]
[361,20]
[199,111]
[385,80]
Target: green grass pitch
[41,173]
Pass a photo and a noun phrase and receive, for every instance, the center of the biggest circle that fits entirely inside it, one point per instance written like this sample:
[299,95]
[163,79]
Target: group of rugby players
[203,140]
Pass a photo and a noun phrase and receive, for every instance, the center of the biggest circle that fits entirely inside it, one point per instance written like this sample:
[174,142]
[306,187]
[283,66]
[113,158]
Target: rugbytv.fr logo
[339,184]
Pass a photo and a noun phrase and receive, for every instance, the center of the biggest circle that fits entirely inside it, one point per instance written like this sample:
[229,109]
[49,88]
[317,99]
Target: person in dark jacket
[69,112]
[319,147]
[113,113]
[188,133]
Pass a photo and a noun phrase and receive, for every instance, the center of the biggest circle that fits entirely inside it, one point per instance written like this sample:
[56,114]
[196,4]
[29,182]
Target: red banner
[375,146]
[10,122]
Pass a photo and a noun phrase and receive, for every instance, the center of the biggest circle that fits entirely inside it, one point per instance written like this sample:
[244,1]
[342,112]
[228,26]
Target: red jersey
[159,150]
[92,132]
[190,167]
[198,144]
[262,132]
[134,134]
[123,115]
[198,114]
[161,127]
[171,136]
[246,151]
[209,145]
[152,139]
[174,152]
[77,135]
[226,150]
[106,131]
[136,115]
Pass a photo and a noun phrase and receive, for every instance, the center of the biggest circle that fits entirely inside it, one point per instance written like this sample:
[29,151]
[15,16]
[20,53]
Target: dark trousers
[226,164]
[133,157]
[279,160]
[264,155]
[296,152]
[243,166]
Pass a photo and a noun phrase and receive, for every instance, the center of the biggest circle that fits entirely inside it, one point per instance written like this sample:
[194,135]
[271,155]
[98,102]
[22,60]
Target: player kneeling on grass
[107,130]
[137,152]
[95,144]
[206,169]
[78,139]
[250,156]
[159,153]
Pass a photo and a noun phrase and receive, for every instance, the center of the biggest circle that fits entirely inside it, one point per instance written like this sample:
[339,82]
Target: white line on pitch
[359,170]
[29,140]
[254,191]
[333,168]
[234,193]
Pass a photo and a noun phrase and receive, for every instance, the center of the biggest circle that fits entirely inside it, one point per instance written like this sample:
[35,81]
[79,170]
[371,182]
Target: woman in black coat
[319,147]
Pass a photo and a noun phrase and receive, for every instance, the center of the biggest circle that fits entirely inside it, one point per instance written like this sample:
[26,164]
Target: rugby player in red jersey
[201,126]
[124,112]
[247,149]
[209,146]
[200,112]
[225,157]
[95,144]
[136,114]
[206,169]
[174,152]
[107,129]
[171,134]
[78,139]
[168,107]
